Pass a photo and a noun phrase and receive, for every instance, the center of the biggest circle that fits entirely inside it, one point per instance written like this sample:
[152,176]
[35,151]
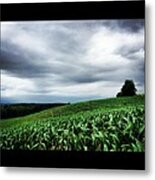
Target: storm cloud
[69,61]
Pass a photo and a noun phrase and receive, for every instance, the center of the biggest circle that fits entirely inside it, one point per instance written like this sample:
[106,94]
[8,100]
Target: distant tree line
[18,110]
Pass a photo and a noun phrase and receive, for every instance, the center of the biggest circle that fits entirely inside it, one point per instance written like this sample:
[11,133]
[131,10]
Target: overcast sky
[70,61]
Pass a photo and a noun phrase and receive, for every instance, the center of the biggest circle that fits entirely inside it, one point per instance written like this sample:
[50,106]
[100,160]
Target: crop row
[90,131]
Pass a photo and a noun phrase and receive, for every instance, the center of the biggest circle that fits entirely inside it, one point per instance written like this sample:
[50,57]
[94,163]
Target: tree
[128,89]
[119,94]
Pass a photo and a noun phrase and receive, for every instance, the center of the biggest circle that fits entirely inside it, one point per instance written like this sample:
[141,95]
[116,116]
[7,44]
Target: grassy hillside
[115,124]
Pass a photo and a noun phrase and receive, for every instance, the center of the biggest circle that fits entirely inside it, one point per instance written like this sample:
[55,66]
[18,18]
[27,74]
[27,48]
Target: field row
[86,131]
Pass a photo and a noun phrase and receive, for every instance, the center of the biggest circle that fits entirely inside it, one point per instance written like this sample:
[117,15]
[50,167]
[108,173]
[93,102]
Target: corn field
[95,130]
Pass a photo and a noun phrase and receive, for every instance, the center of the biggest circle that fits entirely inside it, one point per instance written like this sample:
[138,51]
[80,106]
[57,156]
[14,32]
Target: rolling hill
[115,124]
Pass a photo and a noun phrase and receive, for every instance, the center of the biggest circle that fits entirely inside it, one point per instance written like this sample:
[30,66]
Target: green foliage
[128,89]
[101,125]
[22,109]
[119,94]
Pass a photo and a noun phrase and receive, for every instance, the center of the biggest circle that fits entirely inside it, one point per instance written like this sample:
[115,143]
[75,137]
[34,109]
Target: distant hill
[22,109]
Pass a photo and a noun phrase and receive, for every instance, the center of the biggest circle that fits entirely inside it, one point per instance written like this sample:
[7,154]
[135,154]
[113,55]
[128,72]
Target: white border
[76,174]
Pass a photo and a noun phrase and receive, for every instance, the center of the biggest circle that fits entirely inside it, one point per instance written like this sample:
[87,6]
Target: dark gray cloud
[70,60]
[131,25]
